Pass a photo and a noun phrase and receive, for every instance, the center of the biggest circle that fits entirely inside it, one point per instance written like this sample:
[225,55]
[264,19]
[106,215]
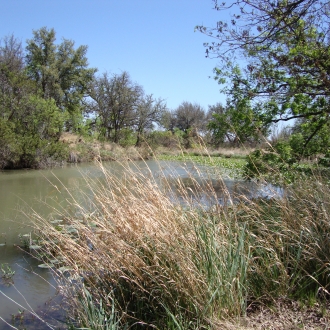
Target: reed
[136,253]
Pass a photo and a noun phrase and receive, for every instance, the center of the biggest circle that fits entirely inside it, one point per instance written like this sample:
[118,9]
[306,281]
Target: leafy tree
[305,130]
[60,71]
[30,136]
[283,47]
[115,103]
[149,111]
[37,128]
[190,116]
[29,125]
[236,123]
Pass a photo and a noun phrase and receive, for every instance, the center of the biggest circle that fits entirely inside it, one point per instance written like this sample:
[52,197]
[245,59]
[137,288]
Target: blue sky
[151,39]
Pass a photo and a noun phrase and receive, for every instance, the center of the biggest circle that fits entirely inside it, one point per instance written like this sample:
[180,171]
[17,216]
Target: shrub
[162,139]
[325,161]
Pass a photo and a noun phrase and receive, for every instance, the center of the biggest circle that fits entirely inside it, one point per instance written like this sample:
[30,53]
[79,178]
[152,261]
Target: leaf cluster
[276,56]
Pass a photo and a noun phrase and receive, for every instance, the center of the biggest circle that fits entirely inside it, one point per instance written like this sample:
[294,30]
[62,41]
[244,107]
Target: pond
[32,288]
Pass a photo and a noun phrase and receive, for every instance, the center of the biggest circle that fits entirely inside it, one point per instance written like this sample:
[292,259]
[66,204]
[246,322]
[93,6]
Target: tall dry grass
[141,255]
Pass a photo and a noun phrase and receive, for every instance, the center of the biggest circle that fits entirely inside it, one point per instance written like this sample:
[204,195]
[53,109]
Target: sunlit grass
[135,255]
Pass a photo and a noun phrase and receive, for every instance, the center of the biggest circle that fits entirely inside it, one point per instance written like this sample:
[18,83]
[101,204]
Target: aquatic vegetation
[226,167]
[6,272]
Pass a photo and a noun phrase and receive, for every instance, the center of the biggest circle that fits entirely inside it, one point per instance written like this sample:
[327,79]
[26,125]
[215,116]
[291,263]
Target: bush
[164,139]
[127,138]
[275,162]
[325,161]
[51,153]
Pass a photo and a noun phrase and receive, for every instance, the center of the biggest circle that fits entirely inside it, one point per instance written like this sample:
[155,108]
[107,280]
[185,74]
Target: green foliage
[59,71]
[6,272]
[226,167]
[96,314]
[165,139]
[30,137]
[325,161]
[223,265]
[9,147]
[262,162]
[237,124]
[40,100]
[279,164]
[114,103]
[287,60]
[310,137]
[127,137]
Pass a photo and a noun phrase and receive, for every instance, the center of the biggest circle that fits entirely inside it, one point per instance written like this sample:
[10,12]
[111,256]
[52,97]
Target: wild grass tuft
[137,254]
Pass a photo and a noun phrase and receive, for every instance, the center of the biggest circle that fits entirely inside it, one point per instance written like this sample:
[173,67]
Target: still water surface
[23,190]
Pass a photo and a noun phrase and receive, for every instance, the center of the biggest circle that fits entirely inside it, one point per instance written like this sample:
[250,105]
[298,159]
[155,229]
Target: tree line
[48,88]
[274,60]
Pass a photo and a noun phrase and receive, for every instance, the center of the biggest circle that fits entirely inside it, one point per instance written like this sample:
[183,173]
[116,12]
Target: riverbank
[131,253]
[85,150]
[231,161]
[139,259]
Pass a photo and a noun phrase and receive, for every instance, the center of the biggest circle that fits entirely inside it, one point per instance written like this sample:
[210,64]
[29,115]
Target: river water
[21,191]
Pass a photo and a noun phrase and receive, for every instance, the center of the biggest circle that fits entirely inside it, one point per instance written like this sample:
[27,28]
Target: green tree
[305,130]
[239,122]
[283,49]
[149,112]
[37,131]
[60,72]
[190,116]
[29,124]
[115,102]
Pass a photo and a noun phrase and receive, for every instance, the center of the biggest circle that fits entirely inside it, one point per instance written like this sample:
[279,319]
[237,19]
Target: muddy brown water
[21,191]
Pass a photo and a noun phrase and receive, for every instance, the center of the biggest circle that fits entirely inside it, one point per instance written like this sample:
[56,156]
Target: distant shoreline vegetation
[54,108]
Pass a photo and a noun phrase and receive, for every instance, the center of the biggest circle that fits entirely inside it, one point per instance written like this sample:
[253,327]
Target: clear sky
[154,40]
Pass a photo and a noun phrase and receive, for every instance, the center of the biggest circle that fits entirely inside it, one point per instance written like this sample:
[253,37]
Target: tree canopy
[275,54]
[41,94]
[60,71]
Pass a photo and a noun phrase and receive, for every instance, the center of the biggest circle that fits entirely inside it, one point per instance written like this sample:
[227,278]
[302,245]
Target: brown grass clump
[141,254]
[140,247]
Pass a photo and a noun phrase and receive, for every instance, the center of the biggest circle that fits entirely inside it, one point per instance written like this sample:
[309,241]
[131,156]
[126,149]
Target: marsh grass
[136,254]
